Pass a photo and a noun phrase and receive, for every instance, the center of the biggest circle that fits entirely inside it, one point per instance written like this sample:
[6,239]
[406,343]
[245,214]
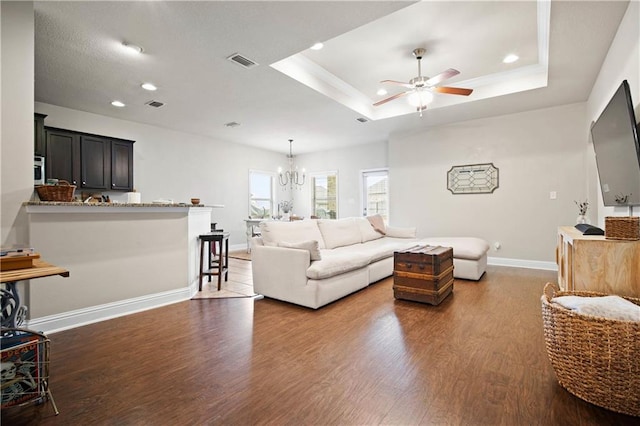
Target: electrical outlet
[497,245]
[553,195]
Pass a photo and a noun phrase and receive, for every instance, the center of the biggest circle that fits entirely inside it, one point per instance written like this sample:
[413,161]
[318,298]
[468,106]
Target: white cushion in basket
[610,307]
[339,232]
[274,232]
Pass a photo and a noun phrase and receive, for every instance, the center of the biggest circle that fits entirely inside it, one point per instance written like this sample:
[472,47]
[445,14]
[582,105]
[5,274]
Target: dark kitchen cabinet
[63,156]
[95,162]
[121,165]
[89,161]
[39,142]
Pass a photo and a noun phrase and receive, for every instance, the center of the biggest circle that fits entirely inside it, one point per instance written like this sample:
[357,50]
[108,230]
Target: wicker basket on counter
[622,228]
[63,191]
[596,359]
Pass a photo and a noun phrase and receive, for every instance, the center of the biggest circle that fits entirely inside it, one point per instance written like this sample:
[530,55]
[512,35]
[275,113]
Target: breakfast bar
[125,258]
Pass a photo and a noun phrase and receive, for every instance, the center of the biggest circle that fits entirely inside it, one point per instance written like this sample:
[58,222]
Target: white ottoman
[469,255]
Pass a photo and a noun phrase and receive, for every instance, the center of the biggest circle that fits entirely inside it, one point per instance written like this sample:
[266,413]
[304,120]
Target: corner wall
[16,145]
[622,63]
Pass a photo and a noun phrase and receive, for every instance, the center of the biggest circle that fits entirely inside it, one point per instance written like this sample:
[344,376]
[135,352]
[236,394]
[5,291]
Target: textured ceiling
[80,63]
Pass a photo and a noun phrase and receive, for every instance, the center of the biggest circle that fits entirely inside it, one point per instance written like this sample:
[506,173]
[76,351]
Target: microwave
[38,170]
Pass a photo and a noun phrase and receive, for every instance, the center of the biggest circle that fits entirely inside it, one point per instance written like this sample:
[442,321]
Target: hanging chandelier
[291,177]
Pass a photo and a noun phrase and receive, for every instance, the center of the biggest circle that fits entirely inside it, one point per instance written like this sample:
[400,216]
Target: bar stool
[217,267]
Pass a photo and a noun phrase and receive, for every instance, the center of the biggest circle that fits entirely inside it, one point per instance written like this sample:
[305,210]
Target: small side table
[26,348]
[423,274]
[13,311]
[217,267]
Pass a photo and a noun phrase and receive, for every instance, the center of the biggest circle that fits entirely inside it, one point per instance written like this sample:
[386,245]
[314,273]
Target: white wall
[536,152]
[622,63]
[349,163]
[178,166]
[16,145]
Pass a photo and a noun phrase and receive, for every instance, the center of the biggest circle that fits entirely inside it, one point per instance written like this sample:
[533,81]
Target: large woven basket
[63,191]
[596,359]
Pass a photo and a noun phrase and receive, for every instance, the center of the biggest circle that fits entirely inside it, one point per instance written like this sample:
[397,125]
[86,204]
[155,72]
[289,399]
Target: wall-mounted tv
[615,141]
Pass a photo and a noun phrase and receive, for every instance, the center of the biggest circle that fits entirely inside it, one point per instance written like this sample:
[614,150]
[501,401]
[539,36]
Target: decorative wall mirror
[472,179]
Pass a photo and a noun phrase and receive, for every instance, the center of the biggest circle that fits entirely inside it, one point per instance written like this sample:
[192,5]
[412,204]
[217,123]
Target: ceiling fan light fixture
[420,98]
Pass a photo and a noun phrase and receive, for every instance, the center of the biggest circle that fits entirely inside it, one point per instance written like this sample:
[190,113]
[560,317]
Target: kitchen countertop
[80,203]
[80,207]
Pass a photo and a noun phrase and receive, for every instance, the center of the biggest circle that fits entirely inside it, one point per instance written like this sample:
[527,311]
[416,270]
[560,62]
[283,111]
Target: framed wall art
[472,179]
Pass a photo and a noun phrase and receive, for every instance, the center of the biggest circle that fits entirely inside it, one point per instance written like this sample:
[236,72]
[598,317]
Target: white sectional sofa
[314,262]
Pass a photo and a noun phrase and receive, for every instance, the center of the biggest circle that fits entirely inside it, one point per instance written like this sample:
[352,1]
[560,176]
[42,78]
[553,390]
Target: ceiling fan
[421,88]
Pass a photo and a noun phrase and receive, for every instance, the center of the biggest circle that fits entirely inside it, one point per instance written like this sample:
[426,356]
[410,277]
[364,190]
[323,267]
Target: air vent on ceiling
[232,124]
[243,61]
[155,104]
[362,119]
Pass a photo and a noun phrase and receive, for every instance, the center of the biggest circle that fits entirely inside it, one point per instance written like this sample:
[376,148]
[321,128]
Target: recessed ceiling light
[149,86]
[381,92]
[317,46]
[117,104]
[511,58]
[132,48]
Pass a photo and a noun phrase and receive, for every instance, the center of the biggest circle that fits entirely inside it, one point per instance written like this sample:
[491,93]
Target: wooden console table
[13,311]
[593,263]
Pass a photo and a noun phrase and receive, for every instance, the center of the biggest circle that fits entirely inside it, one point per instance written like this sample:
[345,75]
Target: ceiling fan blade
[399,83]
[442,76]
[390,98]
[453,90]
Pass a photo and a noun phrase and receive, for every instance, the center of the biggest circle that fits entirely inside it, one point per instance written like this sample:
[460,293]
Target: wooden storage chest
[423,274]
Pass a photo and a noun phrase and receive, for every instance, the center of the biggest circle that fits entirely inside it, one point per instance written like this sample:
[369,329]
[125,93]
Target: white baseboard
[238,247]
[80,317]
[520,263]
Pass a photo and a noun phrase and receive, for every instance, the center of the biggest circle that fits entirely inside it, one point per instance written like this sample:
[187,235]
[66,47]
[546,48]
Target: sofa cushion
[311,246]
[335,263]
[378,249]
[297,231]
[339,232]
[397,232]
[463,247]
[366,230]
[377,222]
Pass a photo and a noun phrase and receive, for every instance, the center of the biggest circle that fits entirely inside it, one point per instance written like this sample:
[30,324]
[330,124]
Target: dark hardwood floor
[477,359]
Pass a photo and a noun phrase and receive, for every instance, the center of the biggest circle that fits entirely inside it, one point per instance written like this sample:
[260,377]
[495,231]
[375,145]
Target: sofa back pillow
[311,246]
[339,232]
[378,223]
[367,232]
[274,232]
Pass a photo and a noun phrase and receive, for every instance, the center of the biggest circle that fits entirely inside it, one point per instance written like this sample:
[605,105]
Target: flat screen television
[615,141]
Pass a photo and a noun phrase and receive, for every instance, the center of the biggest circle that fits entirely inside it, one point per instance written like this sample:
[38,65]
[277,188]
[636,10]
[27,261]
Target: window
[261,194]
[375,193]
[325,195]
